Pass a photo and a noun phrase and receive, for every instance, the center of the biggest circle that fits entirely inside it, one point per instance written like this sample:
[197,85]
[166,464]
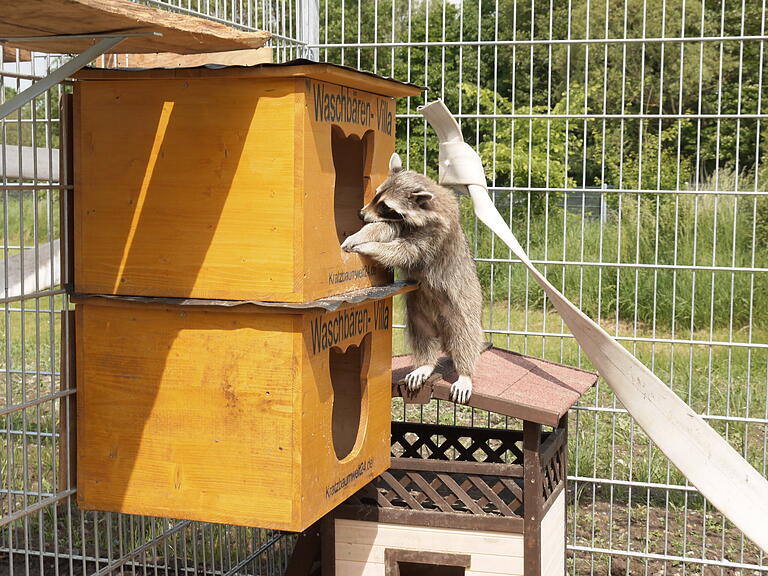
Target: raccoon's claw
[354,245]
[349,244]
[461,390]
[416,378]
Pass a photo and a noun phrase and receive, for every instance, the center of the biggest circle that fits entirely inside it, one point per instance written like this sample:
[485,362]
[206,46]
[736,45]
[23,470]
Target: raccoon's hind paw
[461,390]
[417,377]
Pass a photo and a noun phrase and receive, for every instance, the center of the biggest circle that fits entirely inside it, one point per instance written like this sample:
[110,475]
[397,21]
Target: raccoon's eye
[385,211]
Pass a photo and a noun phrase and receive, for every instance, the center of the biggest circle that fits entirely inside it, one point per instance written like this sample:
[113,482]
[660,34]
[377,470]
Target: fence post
[308,12]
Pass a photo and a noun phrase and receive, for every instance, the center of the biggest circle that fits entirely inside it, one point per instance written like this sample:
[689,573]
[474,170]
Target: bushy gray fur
[413,224]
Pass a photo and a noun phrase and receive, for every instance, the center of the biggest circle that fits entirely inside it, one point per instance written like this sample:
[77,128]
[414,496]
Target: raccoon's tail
[727,480]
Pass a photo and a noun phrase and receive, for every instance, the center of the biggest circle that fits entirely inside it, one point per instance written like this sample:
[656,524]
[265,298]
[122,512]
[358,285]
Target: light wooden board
[360,547]
[250,57]
[346,568]
[32,270]
[10,54]
[221,415]
[420,537]
[553,539]
[232,58]
[181,34]
[498,563]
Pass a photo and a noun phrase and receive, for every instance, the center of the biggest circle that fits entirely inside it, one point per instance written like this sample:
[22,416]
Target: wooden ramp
[181,34]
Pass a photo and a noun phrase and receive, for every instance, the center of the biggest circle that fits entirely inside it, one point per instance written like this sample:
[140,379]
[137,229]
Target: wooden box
[233,183]
[242,415]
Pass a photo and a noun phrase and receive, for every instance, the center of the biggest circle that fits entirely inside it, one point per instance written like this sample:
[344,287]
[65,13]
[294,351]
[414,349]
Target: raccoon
[412,223]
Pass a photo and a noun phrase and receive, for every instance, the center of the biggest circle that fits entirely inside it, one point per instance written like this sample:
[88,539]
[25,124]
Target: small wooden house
[231,183]
[247,414]
[459,500]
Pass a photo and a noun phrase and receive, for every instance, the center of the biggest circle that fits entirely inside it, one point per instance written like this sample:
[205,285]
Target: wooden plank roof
[181,34]
[505,383]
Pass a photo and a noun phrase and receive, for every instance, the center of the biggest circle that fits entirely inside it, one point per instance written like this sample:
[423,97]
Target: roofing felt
[299,68]
[506,383]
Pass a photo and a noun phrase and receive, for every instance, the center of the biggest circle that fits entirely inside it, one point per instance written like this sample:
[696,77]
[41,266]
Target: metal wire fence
[42,531]
[623,141]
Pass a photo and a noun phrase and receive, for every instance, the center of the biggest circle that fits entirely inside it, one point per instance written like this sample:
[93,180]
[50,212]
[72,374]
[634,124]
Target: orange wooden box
[241,415]
[233,183]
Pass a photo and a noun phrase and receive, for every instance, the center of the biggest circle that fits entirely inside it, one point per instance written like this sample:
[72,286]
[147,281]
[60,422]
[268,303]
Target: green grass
[19,212]
[29,345]
[660,241]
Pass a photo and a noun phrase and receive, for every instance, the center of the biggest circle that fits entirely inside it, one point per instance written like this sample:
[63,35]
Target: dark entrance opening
[417,569]
[352,160]
[349,378]
[421,563]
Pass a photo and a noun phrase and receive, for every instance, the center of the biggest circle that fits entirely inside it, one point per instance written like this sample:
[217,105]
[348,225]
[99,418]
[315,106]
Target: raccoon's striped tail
[701,454]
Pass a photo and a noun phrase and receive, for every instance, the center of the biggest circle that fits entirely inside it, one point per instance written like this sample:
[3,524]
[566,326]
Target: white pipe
[727,480]
[31,270]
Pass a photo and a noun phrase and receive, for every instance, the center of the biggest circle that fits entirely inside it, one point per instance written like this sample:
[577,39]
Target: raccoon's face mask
[401,198]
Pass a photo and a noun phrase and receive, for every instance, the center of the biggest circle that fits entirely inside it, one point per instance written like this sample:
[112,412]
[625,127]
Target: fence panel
[42,531]
[624,142]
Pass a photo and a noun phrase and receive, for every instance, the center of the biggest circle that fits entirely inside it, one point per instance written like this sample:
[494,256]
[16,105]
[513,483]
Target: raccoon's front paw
[417,377]
[362,248]
[349,244]
[461,390]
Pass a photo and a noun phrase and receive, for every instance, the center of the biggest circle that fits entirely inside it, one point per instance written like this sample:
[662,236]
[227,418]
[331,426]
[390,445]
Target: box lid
[301,68]
[327,304]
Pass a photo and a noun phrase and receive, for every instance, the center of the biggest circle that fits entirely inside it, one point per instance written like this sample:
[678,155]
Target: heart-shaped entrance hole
[352,161]
[349,378]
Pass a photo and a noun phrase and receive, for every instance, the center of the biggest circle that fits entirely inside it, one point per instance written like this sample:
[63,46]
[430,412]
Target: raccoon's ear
[422,196]
[395,164]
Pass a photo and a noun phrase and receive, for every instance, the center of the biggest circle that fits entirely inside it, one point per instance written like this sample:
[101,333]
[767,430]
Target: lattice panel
[456,443]
[428,491]
[553,471]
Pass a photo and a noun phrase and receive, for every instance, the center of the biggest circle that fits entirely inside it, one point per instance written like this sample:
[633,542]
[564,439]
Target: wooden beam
[250,57]
[305,559]
[532,497]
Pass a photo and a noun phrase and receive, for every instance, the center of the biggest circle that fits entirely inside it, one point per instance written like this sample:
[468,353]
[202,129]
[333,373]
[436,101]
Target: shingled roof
[506,383]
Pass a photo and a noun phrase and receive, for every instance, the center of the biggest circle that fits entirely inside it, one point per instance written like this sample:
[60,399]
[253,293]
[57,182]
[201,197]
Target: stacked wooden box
[214,381]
